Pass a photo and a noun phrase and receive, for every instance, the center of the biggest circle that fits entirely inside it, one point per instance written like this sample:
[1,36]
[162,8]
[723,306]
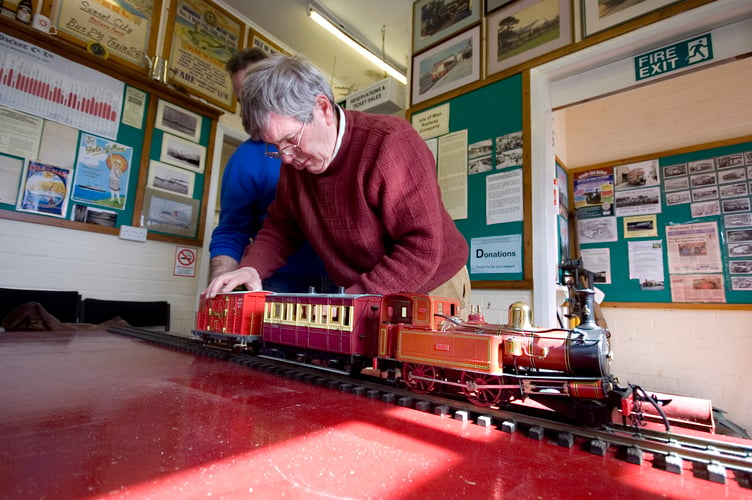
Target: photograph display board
[487,125]
[79,152]
[674,228]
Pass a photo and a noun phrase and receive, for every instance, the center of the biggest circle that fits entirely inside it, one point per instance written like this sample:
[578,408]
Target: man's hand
[227,282]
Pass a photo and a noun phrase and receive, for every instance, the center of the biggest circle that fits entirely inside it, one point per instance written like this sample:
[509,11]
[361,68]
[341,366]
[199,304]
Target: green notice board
[492,116]
[700,237]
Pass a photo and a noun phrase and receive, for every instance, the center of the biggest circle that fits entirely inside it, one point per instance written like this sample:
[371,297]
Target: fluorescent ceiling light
[357,46]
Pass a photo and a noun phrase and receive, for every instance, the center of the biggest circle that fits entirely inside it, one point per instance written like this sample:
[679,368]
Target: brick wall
[97,265]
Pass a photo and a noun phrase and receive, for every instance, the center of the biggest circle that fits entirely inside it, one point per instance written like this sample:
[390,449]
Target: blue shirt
[249,184]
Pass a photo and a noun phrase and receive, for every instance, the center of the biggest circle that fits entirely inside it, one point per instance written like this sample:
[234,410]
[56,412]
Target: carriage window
[335,318]
[289,312]
[440,308]
[346,316]
[304,312]
[324,314]
[315,313]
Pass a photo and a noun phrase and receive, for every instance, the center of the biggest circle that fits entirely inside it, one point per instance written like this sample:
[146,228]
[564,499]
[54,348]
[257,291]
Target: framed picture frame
[182,153]
[177,120]
[599,16]
[134,25]
[447,66]
[525,30]
[203,38]
[492,5]
[170,213]
[437,20]
[256,39]
[169,179]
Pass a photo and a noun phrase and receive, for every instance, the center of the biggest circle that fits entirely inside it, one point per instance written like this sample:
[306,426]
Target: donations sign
[673,57]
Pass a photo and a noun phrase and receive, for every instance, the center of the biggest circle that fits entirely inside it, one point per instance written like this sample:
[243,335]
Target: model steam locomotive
[419,340]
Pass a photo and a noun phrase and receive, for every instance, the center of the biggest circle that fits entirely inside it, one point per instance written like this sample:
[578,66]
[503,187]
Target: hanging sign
[674,57]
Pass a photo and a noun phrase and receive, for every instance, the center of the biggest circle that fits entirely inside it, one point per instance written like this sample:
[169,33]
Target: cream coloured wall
[693,352]
[96,265]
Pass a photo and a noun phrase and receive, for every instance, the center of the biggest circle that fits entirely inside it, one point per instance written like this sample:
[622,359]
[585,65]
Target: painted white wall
[96,265]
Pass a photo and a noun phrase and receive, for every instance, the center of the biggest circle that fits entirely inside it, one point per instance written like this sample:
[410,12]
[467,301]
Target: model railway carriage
[232,319]
[332,330]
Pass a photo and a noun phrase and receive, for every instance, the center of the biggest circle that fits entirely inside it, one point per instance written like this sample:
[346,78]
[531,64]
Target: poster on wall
[44,189]
[102,172]
[123,28]
[204,38]
[46,85]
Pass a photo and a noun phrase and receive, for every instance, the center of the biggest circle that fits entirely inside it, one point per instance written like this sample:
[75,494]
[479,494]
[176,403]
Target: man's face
[309,144]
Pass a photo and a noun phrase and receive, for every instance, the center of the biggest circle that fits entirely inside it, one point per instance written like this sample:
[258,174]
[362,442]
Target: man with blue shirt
[248,187]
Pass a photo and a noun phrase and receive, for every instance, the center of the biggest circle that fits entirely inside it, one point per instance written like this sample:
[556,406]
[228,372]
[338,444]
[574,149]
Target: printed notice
[496,254]
[504,197]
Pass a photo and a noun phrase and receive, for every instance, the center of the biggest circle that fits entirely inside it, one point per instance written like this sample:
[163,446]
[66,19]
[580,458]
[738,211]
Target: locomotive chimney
[585,297]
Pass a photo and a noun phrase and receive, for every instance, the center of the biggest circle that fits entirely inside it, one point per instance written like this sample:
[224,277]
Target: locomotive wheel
[481,397]
[411,370]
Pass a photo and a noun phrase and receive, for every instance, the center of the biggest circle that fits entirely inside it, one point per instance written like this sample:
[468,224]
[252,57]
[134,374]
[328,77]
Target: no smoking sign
[185,261]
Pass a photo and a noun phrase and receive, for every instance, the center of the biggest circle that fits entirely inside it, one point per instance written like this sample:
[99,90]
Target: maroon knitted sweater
[375,216]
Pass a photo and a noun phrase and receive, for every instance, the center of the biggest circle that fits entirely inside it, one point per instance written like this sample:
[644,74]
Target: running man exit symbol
[673,57]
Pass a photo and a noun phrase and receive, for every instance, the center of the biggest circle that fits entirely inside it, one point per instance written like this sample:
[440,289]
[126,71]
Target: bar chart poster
[49,86]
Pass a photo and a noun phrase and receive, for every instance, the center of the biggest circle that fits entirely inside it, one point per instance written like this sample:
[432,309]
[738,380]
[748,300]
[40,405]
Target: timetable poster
[102,172]
[46,85]
[44,189]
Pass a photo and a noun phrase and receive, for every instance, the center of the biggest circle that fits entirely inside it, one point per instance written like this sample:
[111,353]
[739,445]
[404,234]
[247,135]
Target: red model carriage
[233,319]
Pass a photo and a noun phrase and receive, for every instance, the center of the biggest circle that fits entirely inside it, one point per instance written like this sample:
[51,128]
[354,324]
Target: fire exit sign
[673,57]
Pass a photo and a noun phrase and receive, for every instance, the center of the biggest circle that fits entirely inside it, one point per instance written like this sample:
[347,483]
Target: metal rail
[670,449]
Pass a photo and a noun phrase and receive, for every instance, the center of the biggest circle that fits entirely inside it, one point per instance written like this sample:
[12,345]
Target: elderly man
[361,188]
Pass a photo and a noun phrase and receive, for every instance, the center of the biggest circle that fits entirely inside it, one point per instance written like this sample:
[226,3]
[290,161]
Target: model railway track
[711,459]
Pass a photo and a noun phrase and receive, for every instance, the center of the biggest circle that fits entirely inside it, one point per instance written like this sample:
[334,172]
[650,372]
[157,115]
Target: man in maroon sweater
[361,188]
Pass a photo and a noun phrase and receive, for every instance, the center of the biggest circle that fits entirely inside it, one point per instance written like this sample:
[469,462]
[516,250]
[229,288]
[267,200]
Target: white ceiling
[286,22]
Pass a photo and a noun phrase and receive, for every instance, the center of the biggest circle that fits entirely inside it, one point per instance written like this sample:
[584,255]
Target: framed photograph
[203,37]
[603,14]
[256,39]
[182,153]
[447,66]
[170,213]
[171,179]
[437,20]
[179,121]
[492,5]
[525,30]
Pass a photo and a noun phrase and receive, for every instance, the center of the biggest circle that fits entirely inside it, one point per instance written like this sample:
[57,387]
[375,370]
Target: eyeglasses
[290,150]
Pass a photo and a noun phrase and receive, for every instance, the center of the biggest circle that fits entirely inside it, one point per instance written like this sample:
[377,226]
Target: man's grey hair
[284,85]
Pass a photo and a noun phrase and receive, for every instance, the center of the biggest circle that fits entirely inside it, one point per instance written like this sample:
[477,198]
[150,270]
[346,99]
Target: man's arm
[221,264]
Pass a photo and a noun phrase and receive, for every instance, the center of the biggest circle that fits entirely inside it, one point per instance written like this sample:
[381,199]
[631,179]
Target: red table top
[95,414]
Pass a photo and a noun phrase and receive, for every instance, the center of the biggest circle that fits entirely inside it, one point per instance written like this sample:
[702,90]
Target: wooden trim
[662,154]
[639,22]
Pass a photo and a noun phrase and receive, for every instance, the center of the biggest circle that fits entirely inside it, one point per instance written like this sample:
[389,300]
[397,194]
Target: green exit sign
[673,57]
